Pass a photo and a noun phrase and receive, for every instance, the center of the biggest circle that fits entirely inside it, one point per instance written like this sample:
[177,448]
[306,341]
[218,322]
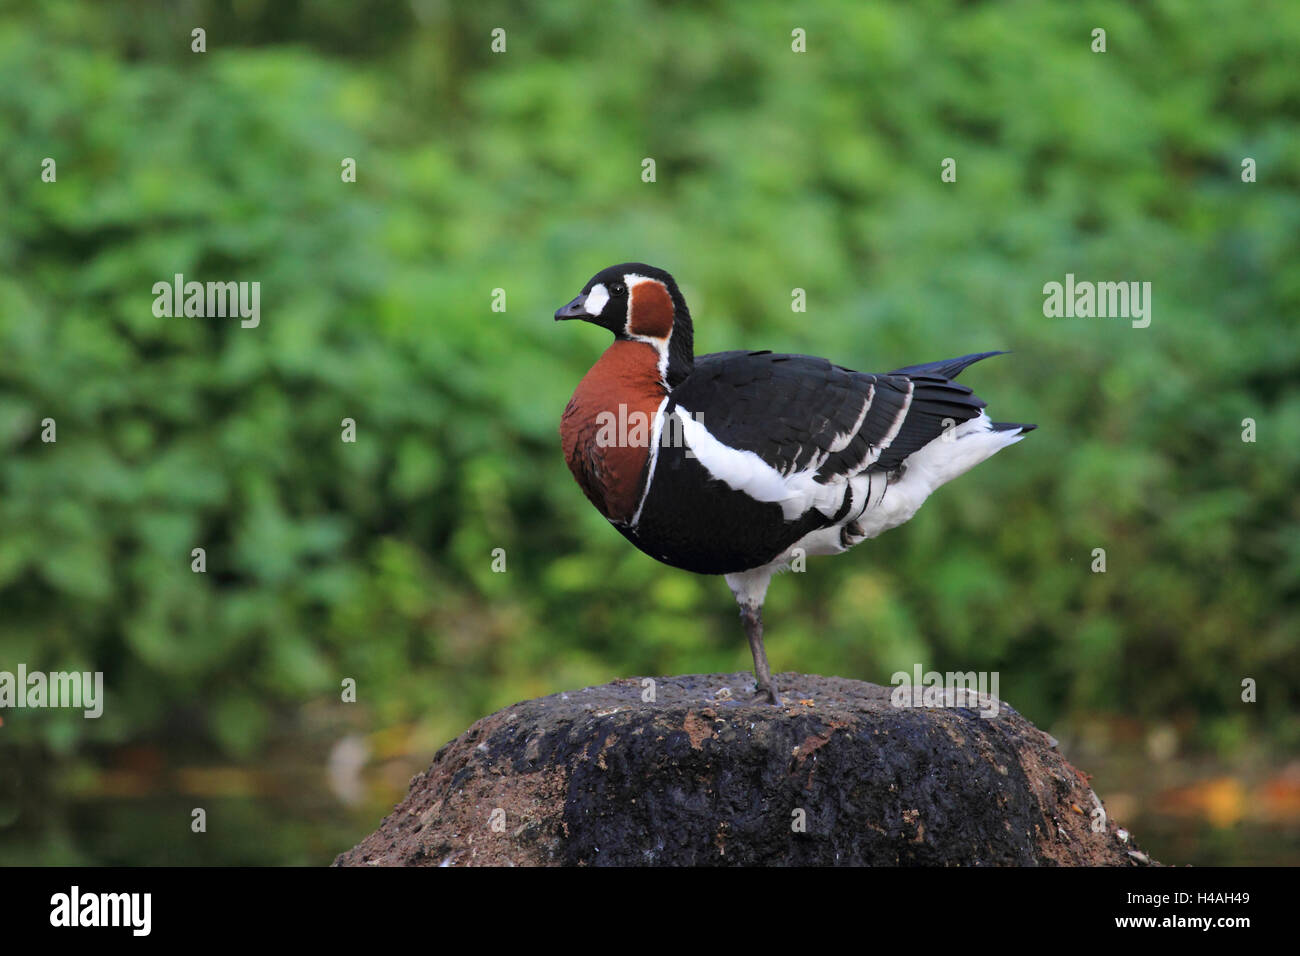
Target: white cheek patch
[596,299]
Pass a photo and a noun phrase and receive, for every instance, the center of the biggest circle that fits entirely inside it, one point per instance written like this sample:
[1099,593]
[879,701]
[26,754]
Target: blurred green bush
[521,171]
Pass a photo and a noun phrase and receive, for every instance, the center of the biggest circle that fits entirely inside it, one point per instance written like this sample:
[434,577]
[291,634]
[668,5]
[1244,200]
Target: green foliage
[521,171]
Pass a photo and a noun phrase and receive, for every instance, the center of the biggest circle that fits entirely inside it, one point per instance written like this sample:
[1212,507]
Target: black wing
[795,411]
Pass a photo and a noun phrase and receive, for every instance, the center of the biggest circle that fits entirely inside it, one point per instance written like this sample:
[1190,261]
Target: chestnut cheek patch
[651,310]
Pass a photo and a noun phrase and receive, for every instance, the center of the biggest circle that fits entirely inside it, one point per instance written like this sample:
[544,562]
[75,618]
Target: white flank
[931,466]
[741,470]
[934,465]
[884,506]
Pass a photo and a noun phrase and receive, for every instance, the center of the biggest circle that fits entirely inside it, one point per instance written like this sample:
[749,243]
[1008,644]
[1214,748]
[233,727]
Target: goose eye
[618,288]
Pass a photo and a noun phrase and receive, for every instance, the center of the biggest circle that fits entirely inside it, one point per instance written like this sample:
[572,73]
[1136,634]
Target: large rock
[706,776]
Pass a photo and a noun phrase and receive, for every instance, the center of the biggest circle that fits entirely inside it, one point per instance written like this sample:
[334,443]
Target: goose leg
[752,618]
[750,590]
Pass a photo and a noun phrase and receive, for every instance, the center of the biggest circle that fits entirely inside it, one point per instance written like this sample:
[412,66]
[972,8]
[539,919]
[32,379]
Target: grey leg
[752,618]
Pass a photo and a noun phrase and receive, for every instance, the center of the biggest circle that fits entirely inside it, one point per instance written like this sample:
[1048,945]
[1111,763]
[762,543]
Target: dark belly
[697,523]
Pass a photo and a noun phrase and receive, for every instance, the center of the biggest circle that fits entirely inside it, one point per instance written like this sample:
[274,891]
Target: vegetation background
[522,171]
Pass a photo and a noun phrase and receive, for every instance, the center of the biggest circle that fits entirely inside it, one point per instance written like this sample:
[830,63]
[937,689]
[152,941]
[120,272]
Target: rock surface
[706,775]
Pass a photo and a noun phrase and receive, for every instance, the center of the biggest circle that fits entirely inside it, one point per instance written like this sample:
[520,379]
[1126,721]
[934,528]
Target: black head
[639,303]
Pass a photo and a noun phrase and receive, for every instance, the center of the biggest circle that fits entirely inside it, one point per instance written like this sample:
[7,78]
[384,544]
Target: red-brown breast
[608,453]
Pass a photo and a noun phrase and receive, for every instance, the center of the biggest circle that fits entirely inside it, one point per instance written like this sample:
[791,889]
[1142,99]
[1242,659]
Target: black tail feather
[946,368]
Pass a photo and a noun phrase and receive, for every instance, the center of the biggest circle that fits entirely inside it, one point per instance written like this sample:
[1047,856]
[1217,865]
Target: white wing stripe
[842,441]
[898,421]
[657,431]
[741,470]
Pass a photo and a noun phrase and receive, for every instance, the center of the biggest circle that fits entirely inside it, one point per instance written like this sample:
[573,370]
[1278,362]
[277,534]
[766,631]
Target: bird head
[639,303]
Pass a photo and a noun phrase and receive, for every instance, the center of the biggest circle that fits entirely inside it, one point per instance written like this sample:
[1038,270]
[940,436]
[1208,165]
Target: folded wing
[805,417]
